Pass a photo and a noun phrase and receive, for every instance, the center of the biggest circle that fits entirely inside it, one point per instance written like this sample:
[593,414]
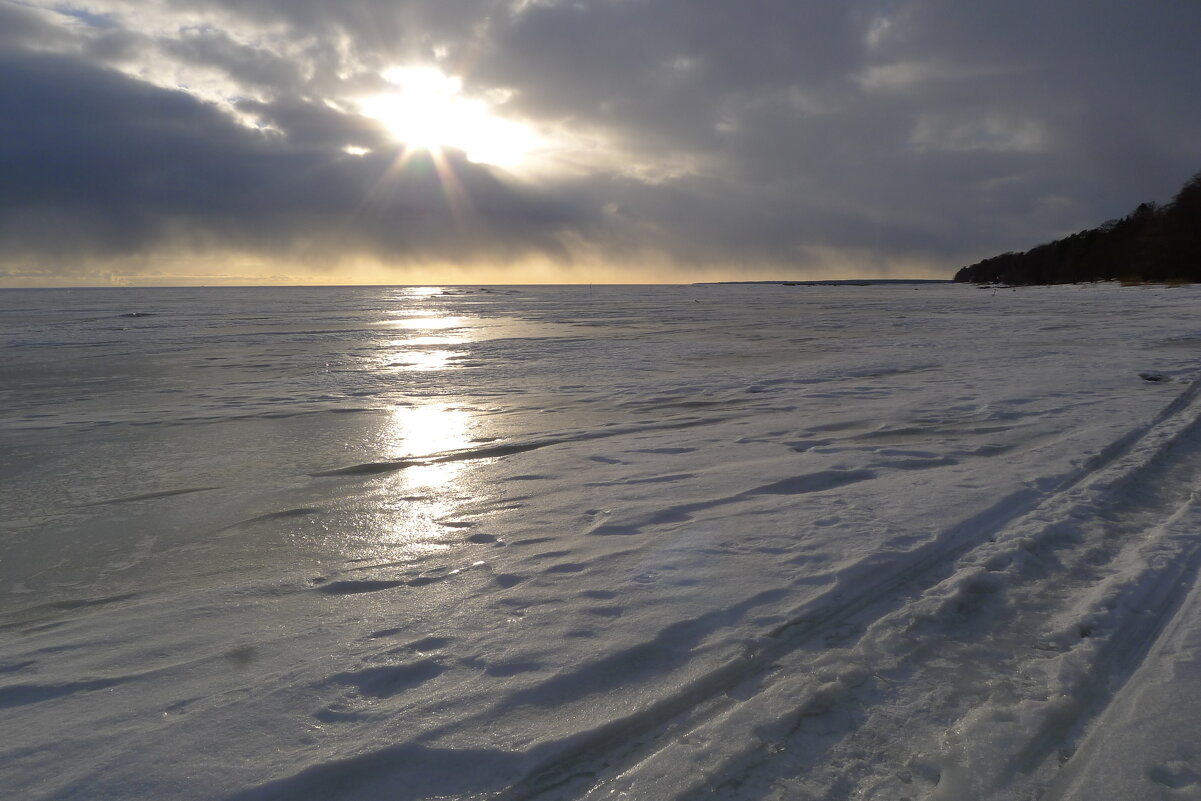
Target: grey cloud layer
[704,130]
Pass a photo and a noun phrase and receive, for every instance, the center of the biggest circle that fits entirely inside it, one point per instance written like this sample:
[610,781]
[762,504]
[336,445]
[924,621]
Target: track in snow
[967,668]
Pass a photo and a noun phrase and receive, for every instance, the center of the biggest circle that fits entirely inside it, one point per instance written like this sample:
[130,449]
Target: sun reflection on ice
[429,429]
[413,511]
[411,530]
[433,332]
[410,516]
[419,322]
[426,359]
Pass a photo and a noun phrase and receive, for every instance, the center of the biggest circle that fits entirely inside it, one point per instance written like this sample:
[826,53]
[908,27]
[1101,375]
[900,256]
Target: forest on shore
[1154,243]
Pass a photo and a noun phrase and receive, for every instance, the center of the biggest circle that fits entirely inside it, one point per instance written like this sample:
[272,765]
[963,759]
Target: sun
[428,111]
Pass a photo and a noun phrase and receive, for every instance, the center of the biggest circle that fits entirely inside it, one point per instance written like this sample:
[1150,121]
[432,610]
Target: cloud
[98,164]
[775,138]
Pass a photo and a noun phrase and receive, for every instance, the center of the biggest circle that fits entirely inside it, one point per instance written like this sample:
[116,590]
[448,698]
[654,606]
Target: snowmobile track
[895,593]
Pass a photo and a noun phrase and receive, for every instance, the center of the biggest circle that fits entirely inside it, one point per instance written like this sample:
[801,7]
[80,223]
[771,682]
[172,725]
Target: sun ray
[457,199]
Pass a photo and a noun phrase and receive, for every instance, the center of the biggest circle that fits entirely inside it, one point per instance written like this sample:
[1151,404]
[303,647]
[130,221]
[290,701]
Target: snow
[751,542]
[1145,743]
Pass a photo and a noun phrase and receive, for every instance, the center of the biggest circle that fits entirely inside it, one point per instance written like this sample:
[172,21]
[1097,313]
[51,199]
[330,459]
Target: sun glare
[428,111]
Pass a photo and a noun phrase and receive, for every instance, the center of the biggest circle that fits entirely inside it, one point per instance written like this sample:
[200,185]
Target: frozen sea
[744,542]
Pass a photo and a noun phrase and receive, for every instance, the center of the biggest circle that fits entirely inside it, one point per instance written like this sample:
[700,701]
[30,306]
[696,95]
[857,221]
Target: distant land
[1159,244]
[836,282]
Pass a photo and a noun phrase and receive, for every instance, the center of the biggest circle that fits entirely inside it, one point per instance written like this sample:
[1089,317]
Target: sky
[551,141]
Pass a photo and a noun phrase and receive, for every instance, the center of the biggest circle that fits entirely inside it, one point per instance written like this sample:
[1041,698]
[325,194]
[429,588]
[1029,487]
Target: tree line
[1156,243]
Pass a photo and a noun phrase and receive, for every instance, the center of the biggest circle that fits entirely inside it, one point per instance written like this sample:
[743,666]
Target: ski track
[1072,586]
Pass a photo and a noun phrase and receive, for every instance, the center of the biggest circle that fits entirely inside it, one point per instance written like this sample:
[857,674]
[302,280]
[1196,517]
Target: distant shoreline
[835,282]
[829,282]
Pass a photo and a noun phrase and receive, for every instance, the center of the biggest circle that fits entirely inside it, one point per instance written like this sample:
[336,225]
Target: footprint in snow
[387,681]
[1175,774]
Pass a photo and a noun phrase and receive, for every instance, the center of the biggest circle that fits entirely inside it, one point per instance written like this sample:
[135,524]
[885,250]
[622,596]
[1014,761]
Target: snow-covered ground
[745,542]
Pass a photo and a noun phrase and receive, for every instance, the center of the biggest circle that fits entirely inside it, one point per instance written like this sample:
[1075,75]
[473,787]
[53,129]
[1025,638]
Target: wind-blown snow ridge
[503,449]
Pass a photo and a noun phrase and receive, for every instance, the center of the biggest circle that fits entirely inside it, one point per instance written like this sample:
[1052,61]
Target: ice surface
[751,542]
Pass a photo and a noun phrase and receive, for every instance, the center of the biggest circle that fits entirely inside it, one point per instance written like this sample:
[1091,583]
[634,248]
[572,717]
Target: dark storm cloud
[96,163]
[918,131]
[955,125]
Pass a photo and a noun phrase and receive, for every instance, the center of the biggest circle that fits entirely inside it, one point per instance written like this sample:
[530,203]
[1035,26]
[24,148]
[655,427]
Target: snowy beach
[666,542]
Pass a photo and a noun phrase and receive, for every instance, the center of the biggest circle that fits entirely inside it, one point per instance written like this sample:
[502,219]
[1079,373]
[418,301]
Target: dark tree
[1152,243]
